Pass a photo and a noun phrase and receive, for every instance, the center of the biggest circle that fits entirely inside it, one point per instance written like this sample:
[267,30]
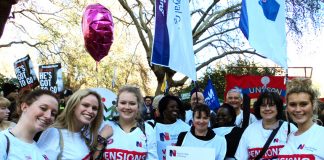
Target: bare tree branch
[137,24]
[202,18]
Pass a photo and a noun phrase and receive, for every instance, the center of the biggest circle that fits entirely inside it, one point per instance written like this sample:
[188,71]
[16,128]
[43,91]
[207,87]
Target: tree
[216,27]
[241,67]
[60,40]
[4,79]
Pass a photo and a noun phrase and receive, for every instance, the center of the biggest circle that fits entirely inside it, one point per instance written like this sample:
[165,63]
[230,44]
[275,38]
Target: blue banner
[211,98]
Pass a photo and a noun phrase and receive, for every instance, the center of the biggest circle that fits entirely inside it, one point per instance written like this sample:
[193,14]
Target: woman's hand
[106,132]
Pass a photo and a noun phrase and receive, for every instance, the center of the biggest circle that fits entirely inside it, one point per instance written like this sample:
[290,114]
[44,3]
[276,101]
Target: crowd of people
[37,125]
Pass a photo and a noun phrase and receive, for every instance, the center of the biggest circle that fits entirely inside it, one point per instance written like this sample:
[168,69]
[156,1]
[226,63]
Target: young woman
[4,114]
[306,142]
[132,138]
[202,136]
[269,109]
[38,110]
[75,132]
[169,125]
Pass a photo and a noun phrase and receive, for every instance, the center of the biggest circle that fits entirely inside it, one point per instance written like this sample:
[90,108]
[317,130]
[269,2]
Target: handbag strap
[61,144]
[8,145]
[267,144]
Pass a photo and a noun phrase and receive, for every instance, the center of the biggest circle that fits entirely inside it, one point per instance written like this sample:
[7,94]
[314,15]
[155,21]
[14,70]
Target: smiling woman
[37,111]
[268,108]
[78,125]
[169,125]
[301,107]
[202,136]
[131,138]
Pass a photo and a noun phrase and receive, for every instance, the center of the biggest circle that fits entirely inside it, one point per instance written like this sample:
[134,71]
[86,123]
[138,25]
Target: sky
[311,55]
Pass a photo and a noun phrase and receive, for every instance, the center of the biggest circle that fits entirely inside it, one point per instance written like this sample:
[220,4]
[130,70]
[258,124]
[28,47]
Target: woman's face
[127,106]
[171,111]
[4,113]
[268,111]
[41,113]
[223,117]
[300,108]
[201,121]
[86,111]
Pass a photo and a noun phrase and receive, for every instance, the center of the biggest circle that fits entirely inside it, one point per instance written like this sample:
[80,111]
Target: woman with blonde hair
[301,99]
[37,110]
[75,132]
[4,114]
[131,138]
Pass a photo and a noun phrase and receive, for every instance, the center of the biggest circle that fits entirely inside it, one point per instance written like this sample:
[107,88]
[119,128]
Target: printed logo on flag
[270,9]
[211,98]
[164,136]
[173,153]
[301,146]
[263,24]
[139,144]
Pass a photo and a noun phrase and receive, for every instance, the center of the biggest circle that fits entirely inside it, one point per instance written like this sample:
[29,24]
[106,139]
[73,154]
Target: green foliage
[4,79]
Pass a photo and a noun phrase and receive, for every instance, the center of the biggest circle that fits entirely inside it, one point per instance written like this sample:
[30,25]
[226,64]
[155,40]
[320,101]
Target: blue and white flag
[172,45]
[211,98]
[263,24]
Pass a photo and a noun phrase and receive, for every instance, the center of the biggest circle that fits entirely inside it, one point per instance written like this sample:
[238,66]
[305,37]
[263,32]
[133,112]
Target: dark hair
[150,97]
[231,111]
[272,98]
[165,101]
[29,97]
[66,93]
[200,108]
[7,88]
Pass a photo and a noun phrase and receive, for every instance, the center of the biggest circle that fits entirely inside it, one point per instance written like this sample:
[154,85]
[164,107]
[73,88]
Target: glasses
[267,106]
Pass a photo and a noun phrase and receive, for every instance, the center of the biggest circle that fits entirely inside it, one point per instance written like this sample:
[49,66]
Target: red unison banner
[254,85]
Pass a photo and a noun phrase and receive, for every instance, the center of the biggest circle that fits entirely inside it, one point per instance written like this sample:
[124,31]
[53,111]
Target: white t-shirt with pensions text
[307,146]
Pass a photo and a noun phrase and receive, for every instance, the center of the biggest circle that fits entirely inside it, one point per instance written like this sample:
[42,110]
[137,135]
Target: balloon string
[97,65]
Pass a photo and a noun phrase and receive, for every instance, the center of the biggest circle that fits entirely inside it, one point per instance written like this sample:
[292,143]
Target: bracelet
[97,149]
[102,140]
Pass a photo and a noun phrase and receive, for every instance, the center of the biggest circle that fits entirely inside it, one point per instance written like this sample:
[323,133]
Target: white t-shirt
[19,149]
[254,138]
[223,131]
[239,119]
[167,135]
[133,145]
[308,145]
[74,147]
[189,117]
[218,143]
